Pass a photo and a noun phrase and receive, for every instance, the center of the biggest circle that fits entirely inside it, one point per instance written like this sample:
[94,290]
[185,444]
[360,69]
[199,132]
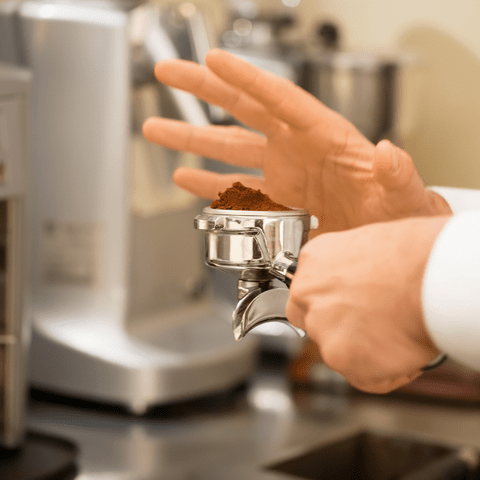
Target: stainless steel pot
[363,87]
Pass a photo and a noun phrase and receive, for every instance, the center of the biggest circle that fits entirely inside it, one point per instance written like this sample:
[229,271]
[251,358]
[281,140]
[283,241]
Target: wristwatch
[436,362]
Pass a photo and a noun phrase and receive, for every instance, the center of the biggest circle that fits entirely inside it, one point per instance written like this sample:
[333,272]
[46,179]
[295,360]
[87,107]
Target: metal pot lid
[355,60]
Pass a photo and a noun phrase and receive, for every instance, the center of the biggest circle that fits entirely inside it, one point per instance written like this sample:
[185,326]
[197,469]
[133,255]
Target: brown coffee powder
[239,197]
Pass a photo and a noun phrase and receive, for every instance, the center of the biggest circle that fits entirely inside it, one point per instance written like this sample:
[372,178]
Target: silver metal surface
[257,308]
[258,247]
[113,252]
[15,86]
[281,264]
[362,87]
[163,361]
[237,240]
[234,438]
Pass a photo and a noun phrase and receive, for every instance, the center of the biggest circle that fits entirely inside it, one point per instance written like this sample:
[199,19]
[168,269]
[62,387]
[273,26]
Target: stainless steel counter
[231,436]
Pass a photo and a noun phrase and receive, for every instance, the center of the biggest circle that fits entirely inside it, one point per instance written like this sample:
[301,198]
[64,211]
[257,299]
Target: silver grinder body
[14,315]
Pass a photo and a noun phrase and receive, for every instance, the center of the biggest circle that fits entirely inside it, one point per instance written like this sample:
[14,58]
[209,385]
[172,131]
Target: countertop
[235,434]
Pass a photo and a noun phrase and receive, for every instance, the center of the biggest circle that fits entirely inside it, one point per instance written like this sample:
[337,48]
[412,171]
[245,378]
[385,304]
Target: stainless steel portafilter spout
[259,305]
[259,247]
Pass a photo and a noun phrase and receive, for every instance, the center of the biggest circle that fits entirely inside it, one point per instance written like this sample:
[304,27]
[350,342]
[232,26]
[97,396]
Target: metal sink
[369,455]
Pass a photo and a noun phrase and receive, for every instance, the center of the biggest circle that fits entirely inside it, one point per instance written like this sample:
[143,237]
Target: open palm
[311,157]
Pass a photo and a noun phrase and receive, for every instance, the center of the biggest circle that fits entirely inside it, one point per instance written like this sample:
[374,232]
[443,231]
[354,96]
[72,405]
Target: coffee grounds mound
[239,197]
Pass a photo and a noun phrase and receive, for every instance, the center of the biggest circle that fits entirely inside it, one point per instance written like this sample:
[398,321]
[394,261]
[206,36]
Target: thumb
[392,166]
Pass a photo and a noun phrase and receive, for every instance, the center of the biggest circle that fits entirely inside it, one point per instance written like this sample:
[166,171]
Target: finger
[295,310]
[209,184]
[230,144]
[392,166]
[282,97]
[204,84]
[384,386]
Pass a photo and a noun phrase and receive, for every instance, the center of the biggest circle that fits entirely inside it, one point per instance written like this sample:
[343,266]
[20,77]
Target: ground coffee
[239,197]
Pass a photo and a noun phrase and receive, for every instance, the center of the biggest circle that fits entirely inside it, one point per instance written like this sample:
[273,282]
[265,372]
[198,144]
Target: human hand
[358,296]
[311,157]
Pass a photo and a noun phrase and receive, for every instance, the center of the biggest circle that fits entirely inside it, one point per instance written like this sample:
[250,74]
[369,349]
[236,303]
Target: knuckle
[295,312]
[336,355]
[344,355]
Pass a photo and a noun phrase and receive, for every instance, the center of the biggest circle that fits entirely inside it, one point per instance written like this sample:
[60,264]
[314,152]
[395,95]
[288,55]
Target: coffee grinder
[121,310]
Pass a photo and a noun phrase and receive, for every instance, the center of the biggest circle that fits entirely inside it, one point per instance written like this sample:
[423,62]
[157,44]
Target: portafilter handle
[258,307]
[284,267]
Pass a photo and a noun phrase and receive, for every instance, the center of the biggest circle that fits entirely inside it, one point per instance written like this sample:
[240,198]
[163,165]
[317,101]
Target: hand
[358,296]
[311,157]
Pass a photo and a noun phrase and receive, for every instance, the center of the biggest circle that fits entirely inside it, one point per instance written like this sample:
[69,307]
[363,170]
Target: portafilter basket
[258,247]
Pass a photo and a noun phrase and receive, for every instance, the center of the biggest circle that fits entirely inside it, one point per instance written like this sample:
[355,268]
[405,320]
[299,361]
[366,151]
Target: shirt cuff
[451,289]
[459,199]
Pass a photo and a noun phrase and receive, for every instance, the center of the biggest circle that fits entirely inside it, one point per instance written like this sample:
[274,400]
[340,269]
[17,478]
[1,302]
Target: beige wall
[446,141]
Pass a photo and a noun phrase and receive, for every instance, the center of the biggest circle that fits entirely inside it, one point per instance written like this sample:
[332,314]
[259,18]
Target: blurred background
[444,142]
[113,329]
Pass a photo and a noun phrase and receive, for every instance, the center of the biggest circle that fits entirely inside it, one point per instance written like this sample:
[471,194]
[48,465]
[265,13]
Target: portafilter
[258,247]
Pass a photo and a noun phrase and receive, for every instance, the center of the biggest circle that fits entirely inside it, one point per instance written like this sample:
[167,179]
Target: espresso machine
[122,311]
[14,317]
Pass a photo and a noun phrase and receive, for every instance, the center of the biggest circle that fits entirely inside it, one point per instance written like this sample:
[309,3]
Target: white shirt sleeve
[451,284]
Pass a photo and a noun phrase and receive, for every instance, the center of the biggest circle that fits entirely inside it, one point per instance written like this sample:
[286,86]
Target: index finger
[283,98]
[204,84]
